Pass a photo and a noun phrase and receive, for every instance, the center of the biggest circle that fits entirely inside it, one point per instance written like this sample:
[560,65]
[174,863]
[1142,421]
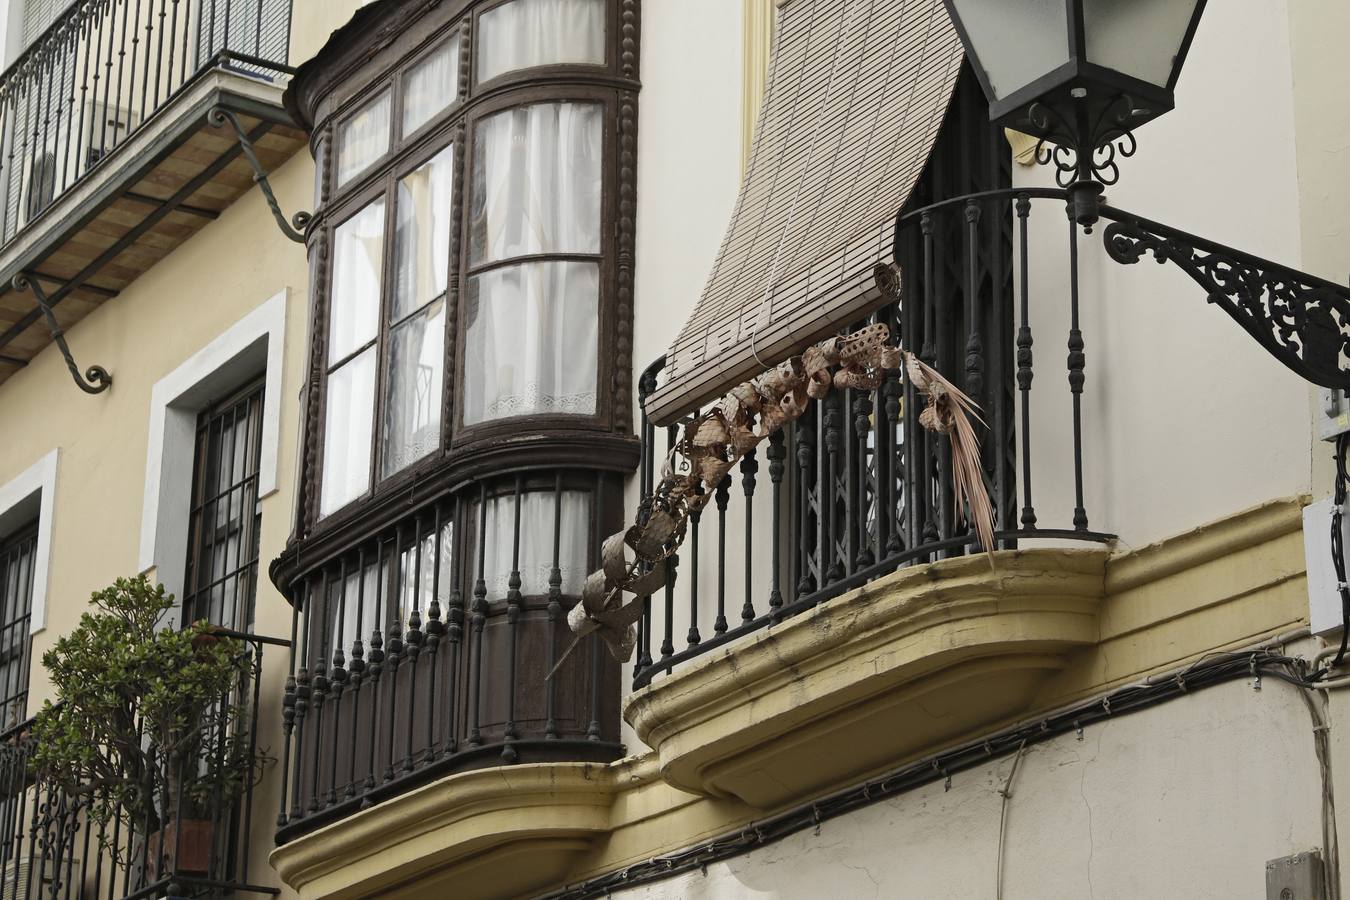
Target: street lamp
[1079,74]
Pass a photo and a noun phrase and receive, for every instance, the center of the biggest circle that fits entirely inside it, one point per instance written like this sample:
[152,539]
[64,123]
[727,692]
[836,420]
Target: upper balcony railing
[102,71]
[856,487]
[53,848]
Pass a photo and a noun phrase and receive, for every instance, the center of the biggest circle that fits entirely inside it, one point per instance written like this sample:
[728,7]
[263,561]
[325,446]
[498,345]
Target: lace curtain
[527,33]
[536,542]
[531,342]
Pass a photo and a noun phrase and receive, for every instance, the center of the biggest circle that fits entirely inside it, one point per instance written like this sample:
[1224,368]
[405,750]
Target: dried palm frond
[950,412]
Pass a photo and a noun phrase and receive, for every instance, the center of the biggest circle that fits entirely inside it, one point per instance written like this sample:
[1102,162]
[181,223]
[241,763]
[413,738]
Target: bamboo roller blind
[856,94]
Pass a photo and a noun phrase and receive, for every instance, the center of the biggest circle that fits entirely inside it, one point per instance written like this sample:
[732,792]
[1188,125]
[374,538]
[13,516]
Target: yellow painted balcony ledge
[872,680]
[903,664]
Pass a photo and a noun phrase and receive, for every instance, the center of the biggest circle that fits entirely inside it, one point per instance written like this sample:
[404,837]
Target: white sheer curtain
[431,86]
[412,410]
[527,33]
[536,182]
[363,138]
[353,322]
[532,338]
[536,542]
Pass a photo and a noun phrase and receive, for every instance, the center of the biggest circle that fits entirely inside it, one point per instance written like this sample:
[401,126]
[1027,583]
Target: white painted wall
[1186,418]
[1185,800]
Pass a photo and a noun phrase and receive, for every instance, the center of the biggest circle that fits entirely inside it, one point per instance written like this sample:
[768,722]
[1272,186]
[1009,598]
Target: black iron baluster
[721,496]
[111,25]
[377,666]
[393,647]
[776,454]
[412,639]
[302,695]
[357,669]
[692,637]
[898,453]
[319,686]
[830,568]
[509,754]
[865,477]
[288,710]
[1024,357]
[555,611]
[668,638]
[1077,362]
[82,140]
[934,457]
[454,634]
[749,467]
[159,51]
[434,630]
[337,676]
[850,485]
[135,55]
[597,646]
[806,456]
[479,616]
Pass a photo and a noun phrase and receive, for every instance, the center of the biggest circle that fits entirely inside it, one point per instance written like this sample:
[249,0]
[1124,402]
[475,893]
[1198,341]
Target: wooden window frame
[612,86]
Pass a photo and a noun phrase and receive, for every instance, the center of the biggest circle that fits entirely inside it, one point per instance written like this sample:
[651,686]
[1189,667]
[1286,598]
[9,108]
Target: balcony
[852,561]
[423,644]
[51,846]
[107,162]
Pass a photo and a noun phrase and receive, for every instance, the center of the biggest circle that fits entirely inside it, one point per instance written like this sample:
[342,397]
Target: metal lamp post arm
[1301,320]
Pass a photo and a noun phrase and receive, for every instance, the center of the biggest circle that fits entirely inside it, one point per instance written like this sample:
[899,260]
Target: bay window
[468,408]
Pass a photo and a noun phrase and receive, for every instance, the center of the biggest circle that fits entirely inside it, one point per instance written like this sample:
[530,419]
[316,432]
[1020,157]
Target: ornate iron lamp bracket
[1301,320]
[296,228]
[95,379]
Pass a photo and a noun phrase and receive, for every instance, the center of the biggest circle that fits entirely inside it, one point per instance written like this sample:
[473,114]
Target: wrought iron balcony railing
[52,848]
[422,647]
[102,71]
[856,487]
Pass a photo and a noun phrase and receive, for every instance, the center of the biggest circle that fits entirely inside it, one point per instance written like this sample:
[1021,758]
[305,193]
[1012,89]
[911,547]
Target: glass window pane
[431,86]
[536,185]
[362,139]
[427,577]
[422,235]
[531,341]
[354,318]
[1016,42]
[526,33]
[412,414]
[346,432]
[536,542]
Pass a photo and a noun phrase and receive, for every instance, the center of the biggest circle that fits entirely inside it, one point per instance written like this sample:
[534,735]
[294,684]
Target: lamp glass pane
[1137,37]
[1016,43]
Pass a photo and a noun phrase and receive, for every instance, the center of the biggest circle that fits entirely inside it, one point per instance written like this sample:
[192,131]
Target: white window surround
[33,492]
[254,343]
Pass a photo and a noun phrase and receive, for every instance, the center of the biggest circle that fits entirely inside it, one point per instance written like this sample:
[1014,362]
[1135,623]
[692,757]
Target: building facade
[361,326]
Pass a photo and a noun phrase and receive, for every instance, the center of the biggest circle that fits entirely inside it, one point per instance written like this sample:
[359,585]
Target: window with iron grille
[17,554]
[221,577]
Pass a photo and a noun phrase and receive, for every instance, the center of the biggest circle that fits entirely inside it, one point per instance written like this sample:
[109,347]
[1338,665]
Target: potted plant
[150,725]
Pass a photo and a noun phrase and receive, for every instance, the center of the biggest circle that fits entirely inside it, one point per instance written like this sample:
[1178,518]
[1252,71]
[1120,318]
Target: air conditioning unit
[74,148]
[32,877]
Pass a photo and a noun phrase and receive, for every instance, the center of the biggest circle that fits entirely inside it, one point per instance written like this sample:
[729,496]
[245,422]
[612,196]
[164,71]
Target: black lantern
[1077,73]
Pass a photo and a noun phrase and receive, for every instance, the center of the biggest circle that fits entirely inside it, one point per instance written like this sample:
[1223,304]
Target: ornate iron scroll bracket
[1301,320]
[1088,149]
[95,379]
[295,229]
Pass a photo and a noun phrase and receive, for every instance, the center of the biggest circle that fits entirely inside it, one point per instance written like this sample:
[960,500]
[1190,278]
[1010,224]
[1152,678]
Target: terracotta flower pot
[187,846]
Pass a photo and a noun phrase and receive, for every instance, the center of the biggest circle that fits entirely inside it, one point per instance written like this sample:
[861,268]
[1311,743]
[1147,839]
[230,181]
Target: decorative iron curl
[1302,321]
[96,379]
[298,227]
[1078,155]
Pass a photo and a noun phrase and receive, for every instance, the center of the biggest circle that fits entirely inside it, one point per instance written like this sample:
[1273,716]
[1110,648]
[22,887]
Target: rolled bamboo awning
[856,94]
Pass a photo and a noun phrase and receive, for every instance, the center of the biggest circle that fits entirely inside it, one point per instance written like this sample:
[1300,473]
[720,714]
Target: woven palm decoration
[716,440]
